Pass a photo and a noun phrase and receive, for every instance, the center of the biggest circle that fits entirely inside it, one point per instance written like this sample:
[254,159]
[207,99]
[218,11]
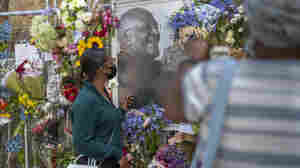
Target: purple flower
[170,156]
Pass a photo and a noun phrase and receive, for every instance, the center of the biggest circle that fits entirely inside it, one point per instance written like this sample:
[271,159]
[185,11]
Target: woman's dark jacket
[93,121]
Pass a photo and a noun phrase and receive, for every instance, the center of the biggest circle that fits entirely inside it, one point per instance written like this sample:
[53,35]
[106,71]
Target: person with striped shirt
[262,118]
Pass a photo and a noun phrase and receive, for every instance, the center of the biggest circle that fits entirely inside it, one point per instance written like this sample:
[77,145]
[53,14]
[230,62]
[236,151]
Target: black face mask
[113,73]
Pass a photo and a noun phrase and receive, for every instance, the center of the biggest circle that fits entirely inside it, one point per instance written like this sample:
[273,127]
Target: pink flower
[105,18]
[110,21]
[72,46]
[56,57]
[104,26]
[116,22]
[108,12]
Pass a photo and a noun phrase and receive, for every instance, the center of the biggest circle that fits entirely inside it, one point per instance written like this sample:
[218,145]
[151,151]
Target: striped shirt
[262,120]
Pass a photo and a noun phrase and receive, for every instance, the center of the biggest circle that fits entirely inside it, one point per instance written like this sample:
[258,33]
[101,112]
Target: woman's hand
[129,102]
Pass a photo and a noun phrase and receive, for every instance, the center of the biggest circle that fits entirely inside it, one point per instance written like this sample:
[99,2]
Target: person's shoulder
[208,67]
[84,98]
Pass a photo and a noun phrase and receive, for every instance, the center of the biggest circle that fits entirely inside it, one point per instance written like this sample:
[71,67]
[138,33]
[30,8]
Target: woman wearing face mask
[96,122]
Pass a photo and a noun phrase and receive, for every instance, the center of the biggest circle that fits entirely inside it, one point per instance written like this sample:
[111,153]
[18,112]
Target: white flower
[27,66]
[43,33]
[68,23]
[241,29]
[82,3]
[223,29]
[65,18]
[241,9]
[230,39]
[75,4]
[85,16]
[72,5]
[238,16]
[234,20]
[64,5]
[64,74]
[245,18]
[80,26]
[113,83]
[46,107]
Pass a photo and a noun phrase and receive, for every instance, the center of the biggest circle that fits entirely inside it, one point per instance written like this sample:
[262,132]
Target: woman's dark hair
[91,60]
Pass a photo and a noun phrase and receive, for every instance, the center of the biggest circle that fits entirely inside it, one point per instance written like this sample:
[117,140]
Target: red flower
[102,33]
[86,33]
[37,130]
[116,22]
[124,151]
[60,27]
[70,92]
[40,127]
[21,69]
[3,104]
[68,131]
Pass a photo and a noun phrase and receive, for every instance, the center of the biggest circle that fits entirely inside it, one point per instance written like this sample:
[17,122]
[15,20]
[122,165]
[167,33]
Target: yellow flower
[96,40]
[77,63]
[32,41]
[80,52]
[26,112]
[5,115]
[31,103]
[23,99]
[81,47]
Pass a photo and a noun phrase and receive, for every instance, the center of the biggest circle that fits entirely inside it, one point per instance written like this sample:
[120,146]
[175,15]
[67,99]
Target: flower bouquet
[196,21]
[142,131]
[43,34]
[221,22]
[74,14]
[231,28]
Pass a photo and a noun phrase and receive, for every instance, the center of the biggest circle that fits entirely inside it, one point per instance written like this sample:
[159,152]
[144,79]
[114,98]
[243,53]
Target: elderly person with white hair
[262,116]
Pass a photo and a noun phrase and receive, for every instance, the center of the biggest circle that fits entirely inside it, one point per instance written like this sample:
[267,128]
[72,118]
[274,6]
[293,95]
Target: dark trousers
[108,163]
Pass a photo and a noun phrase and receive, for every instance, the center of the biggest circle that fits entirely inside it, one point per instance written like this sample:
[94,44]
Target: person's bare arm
[170,90]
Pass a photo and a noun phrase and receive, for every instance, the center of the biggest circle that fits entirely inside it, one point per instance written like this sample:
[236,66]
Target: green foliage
[64,158]
[3,46]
